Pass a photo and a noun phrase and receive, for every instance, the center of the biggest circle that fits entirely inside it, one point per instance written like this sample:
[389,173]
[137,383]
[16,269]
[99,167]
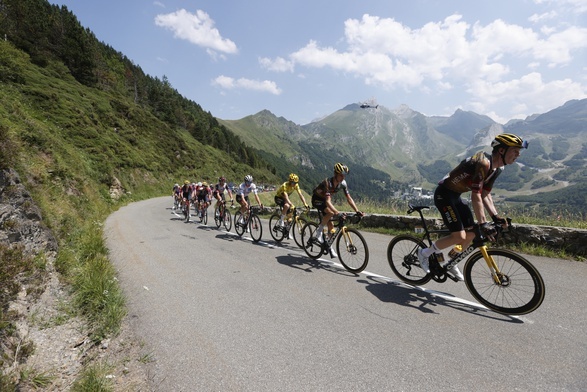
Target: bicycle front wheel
[205,216]
[310,244]
[276,231]
[353,252]
[238,226]
[217,217]
[227,220]
[255,228]
[517,289]
[402,255]
[296,231]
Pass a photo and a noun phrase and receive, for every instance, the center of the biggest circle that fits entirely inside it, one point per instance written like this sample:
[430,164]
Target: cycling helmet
[340,168]
[248,178]
[508,140]
[204,184]
[222,179]
[176,186]
[293,178]
[186,182]
[199,184]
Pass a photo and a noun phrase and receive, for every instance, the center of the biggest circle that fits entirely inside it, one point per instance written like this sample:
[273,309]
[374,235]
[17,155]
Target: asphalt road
[220,313]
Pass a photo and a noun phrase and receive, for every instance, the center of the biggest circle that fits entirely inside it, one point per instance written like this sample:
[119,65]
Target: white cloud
[228,83]
[196,28]
[542,17]
[278,65]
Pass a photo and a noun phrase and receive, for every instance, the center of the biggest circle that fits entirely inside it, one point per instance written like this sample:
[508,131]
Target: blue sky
[303,60]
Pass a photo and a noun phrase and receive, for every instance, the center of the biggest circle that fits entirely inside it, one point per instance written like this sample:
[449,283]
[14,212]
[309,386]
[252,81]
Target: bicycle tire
[217,217]
[205,216]
[239,227]
[523,289]
[402,255]
[312,248]
[276,232]
[255,228]
[227,220]
[354,255]
[296,230]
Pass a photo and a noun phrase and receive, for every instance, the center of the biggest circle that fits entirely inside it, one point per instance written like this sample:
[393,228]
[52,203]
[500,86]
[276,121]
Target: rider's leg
[328,214]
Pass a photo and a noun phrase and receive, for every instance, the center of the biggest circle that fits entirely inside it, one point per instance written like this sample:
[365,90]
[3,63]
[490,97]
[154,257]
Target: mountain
[405,148]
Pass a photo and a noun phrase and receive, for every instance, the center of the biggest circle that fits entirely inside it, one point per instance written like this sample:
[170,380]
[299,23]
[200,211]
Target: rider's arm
[478,209]
[302,197]
[488,203]
[258,200]
[351,202]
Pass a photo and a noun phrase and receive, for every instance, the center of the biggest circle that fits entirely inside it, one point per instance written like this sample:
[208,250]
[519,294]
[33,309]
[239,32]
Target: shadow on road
[425,301]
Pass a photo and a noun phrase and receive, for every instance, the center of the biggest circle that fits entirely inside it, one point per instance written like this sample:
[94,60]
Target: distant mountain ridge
[405,148]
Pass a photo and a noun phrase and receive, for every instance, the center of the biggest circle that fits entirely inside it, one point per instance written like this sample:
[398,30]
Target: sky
[303,60]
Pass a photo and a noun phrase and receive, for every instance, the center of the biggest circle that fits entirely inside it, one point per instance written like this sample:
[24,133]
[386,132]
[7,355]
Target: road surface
[221,313]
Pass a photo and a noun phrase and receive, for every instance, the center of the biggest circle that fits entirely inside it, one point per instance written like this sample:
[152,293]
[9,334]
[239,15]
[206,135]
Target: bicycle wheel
[311,246]
[217,217]
[239,227]
[227,220]
[521,290]
[276,232]
[205,216]
[255,228]
[352,249]
[296,230]
[402,255]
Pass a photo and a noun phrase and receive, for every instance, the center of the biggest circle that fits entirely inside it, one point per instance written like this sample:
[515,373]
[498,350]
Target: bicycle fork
[499,278]
[348,241]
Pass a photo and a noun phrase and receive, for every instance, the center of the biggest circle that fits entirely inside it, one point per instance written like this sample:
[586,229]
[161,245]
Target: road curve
[220,313]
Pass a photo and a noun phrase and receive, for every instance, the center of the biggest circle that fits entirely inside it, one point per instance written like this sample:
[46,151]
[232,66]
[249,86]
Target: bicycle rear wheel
[311,246]
[352,249]
[296,230]
[402,255]
[255,228]
[217,216]
[520,291]
[238,226]
[227,220]
[276,231]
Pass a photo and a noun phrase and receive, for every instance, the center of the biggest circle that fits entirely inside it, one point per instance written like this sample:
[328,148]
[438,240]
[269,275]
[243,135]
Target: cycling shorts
[280,201]
[455,212]
[239,198]
[318,203]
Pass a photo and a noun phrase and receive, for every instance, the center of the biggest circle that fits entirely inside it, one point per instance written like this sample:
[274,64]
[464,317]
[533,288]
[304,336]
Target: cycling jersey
[203,193]
[286,187]
[472,174]
[186,191]
[244,190]
[326,188]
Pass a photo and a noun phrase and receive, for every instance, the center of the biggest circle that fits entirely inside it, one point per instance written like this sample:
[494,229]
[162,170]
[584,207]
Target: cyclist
[322,200]
[176,194]
[242,195]
[186,193]
[282,196]
[203,194]
[220,188]
[476,174]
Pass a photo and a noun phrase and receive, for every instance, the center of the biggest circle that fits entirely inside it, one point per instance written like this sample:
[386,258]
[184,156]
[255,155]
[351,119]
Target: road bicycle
[222,215]
[500,279]
[185,209]
[249,221]
[352,249]
[203,212]
[293,225]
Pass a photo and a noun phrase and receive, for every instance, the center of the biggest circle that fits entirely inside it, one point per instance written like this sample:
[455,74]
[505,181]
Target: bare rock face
[20,218]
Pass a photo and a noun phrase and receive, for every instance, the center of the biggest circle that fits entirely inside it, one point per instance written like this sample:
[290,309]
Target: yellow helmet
[186,182]
[293,178]
[340,168]
[509,140]
[204,184]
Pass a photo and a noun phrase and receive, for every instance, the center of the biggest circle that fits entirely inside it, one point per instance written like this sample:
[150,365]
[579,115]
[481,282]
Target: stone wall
[573,241]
